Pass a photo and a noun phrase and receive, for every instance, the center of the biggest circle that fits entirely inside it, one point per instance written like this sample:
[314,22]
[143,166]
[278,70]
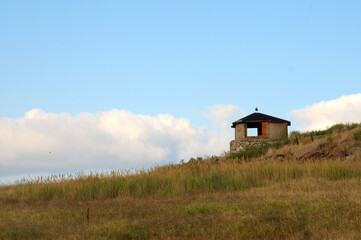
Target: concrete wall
[240,131]
[277,130]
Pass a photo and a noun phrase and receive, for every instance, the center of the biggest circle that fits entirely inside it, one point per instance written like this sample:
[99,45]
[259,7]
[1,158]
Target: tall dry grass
[218,198]
[172,180]
[214,174]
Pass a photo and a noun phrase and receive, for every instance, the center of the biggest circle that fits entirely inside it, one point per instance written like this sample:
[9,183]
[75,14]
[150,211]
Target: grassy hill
[309,190]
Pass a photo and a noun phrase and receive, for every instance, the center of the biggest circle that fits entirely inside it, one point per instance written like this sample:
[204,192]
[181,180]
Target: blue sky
[177,58]
[154,57]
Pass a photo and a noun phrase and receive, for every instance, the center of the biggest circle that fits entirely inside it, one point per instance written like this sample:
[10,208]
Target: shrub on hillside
[340,127]
[251,152]
[357,135]
[352,126]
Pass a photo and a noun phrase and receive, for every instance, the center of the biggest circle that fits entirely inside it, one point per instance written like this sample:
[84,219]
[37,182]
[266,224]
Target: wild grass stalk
[174,180]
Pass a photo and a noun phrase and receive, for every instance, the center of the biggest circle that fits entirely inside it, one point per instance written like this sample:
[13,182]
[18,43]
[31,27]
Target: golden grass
[340,141]
[173,180]
[307,208]
[204,200]
[218,198]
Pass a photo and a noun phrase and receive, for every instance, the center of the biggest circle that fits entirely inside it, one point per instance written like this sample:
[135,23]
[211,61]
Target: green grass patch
[357,135]
[251,152]
[337,128]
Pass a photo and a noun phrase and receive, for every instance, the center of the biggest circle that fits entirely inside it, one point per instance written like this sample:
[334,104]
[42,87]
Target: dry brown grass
[218,198]
[298,209]
[338,144]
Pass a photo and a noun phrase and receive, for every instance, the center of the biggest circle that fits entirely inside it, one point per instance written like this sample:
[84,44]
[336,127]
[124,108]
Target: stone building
[266,129]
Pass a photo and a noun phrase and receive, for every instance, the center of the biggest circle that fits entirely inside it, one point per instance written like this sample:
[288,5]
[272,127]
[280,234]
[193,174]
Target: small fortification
[267,128]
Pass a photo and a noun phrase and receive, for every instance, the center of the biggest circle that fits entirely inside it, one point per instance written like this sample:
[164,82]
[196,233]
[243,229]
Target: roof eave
[252,121]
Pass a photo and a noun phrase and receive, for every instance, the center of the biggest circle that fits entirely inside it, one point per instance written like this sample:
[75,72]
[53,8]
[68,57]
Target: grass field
[215,198]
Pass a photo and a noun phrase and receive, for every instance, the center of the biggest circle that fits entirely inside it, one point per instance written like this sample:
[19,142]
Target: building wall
[240,131]
[241,144]
[277,130]
[264,129]
[271,132]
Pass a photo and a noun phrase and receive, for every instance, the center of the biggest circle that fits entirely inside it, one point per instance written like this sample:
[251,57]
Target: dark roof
[260,117]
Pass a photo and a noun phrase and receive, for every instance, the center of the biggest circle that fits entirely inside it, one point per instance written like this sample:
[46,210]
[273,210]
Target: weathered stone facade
[240,144]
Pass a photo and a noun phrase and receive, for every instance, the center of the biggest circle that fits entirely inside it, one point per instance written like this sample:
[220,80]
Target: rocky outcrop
[241,144]
[355,154]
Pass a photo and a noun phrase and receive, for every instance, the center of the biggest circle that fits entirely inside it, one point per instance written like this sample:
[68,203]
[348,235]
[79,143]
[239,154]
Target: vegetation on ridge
[309,190]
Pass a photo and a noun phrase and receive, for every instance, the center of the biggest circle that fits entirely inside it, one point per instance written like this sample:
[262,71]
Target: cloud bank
[42,142]
[345,109]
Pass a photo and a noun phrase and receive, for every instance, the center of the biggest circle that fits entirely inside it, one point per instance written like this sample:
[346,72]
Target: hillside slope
[341,141]
[286,191]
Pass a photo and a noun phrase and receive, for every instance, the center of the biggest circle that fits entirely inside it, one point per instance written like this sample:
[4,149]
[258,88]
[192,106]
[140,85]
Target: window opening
[254,129]
[252,132]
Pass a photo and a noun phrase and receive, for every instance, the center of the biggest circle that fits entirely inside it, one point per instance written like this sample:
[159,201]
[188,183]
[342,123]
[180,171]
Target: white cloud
[48,142]
[345,109]
[222,115]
